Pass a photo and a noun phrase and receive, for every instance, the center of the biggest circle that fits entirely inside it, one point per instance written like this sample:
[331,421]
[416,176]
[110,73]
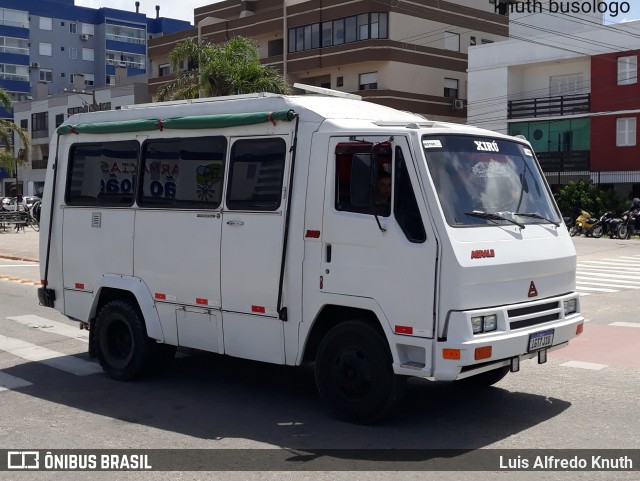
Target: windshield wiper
[493,216]
[533,215]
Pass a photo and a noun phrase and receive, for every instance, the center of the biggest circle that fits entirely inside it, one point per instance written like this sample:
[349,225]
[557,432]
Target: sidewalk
[19,245]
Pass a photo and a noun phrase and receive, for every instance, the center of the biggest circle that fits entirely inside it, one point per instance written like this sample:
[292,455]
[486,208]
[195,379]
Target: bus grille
[522,317]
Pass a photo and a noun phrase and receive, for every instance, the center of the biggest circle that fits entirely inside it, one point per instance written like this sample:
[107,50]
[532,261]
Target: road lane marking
[57,360]
[625,324]
[597,289]
[47,325]
[619,281]
[589,283]
[8,382]
[584,365]
[600,274]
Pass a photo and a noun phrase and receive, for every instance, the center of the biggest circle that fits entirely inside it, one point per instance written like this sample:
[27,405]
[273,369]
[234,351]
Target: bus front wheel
[354,373]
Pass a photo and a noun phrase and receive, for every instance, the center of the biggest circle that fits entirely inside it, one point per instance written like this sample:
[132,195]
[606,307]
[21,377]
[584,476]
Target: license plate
[540,340]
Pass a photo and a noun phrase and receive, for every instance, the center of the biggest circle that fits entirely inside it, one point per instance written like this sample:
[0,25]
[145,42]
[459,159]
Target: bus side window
[102,174]
[405,206]
[183,173]
[256,174]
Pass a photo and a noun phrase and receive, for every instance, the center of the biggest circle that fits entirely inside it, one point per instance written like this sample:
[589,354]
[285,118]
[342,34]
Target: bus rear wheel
[354,373]
[123,348]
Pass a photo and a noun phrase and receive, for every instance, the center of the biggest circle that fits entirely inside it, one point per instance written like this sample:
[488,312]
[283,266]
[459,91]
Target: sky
[183,9]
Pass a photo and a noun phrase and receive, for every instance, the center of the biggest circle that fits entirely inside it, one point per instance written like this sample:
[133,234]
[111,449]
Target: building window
[88,54]
[339,81]
[626,132]
[485,41]
[111,80]
[72,76]
[59,120]
[46,75]
[89,80]
[14,18]
[40,125]
[368,81]
[275,47]
[73,53]
[337,32]
[164,70]
[570,84]
[63,75]
[45,49]
[24,124]
[452,41]
[87,29]
[14,72]
[73,28]
[46,23]
[628,70]
[120,33]
[451,88]
[472,40]
[19,46]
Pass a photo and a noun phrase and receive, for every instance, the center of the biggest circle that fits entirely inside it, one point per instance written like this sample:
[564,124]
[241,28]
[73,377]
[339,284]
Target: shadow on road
[214,397]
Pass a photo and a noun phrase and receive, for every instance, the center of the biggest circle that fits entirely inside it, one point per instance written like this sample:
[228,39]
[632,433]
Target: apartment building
[48,47]
[44,44]
[574,94]
[407,55]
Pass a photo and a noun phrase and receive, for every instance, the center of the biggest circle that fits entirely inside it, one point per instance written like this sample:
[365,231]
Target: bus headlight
[570,306]
[484,323]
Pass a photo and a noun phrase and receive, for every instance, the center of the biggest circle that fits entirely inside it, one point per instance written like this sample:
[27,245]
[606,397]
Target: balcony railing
[39,164]
[570,161]
[550,106]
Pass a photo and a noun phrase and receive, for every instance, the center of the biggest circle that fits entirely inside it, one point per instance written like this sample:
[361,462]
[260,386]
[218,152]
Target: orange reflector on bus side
[483,352]
[451,353]
[579,328]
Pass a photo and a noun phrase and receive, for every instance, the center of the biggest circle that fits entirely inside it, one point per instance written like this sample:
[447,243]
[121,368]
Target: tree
[213,70]
[573,198]
[8,159]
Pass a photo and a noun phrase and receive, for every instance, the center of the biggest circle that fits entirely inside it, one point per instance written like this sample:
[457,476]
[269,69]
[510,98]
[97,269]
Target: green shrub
[574,197]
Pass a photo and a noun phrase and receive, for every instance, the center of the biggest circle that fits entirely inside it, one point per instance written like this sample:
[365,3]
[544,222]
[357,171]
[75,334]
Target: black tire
[354,373]
[623,231]
[597,231]
[122,346]
[485,379]
[574,230]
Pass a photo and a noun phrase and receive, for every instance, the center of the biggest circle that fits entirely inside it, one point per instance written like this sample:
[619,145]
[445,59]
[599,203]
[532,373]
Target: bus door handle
[235,222]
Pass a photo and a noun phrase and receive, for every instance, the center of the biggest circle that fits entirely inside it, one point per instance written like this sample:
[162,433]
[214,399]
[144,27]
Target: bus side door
[252,239]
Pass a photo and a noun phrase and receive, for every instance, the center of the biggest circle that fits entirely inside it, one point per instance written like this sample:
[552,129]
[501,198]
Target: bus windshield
[487,181]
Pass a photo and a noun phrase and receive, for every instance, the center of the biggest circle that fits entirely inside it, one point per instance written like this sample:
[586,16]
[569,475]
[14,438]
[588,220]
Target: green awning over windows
[218,121]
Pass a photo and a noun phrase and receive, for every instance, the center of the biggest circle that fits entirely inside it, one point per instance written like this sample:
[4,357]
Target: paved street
[53,396]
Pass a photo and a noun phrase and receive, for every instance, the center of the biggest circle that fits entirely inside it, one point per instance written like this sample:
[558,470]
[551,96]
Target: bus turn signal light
[451,353]
[483,352]
[579,328]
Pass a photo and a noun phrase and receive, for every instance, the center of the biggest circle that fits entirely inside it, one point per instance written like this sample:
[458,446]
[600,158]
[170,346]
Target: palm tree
[214,70]
[8,160]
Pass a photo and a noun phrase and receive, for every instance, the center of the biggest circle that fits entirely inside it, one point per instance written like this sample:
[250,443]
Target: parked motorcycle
[584,225]
[607,224]
[630,224]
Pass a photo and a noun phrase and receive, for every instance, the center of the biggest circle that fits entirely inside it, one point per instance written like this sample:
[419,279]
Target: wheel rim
[119,345]
[352,373]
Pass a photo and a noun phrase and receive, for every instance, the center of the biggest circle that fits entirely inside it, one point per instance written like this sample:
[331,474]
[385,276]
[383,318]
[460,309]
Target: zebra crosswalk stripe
[8,382]
[44,324]
[57,360]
